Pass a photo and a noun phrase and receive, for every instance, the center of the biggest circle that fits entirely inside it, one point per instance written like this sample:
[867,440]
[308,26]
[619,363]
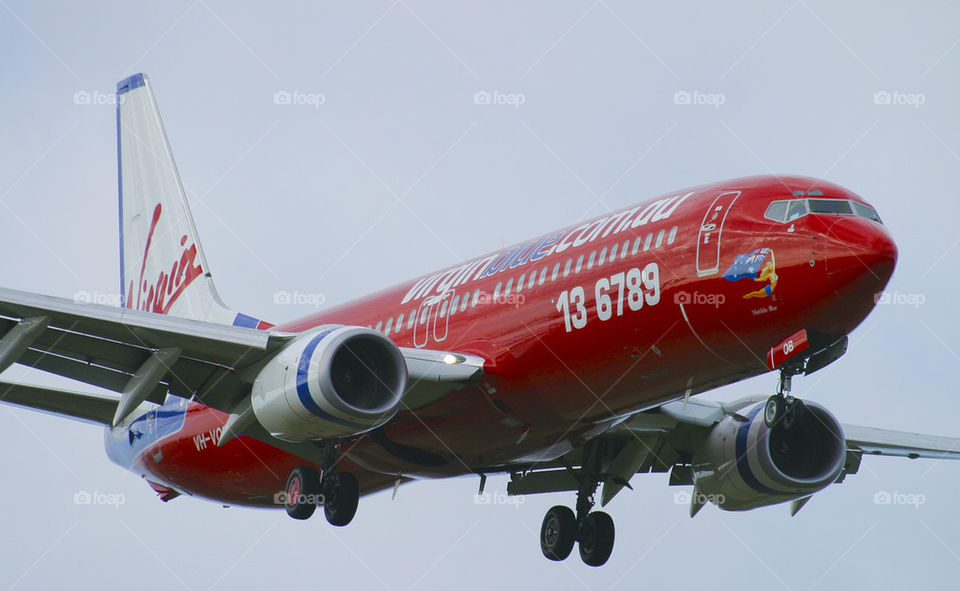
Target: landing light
[451,359]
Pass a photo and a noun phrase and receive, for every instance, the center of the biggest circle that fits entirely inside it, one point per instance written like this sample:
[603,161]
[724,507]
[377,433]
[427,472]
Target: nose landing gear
[782,406]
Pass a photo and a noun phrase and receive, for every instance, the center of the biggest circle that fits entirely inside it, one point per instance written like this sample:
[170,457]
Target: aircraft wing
[883,442]
[118,348]
[860,440]
[664,439]
[106,347]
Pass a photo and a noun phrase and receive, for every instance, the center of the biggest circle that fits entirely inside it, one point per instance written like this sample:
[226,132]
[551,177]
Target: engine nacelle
[744,464]
[332,382]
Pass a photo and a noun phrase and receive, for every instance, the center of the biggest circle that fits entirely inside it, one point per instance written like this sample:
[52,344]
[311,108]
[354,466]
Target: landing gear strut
[782,406]
[592,530]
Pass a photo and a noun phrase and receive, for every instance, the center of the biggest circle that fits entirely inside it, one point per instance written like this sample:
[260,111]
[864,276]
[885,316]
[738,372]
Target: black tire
[341,495]
[793,414]
[773,410]
[596,538]
[302,492]
[558,533]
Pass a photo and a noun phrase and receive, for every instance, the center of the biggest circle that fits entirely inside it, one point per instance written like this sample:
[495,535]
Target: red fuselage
[580,328]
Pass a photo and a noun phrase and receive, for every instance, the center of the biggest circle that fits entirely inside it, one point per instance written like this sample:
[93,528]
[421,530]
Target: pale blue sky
[399,172]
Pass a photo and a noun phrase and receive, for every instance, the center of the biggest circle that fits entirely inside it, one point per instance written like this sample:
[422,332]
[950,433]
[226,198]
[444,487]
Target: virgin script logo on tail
[160,294]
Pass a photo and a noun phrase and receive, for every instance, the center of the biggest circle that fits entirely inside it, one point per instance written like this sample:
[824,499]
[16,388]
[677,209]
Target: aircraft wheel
[558,532]
[793,414]
[773,410]
[596,538]
[302,492]
[341,494]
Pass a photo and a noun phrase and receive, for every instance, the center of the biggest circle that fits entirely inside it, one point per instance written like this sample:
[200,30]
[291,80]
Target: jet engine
[332,382]
[743,464]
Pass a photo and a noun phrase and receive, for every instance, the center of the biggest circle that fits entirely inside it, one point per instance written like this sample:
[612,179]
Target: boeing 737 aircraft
[571,361]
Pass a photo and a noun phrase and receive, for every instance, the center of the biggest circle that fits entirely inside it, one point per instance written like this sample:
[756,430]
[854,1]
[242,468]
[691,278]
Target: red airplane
[569,361]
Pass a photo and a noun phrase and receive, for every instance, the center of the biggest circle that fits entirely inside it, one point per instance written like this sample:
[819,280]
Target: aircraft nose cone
[861,248]
[860,259]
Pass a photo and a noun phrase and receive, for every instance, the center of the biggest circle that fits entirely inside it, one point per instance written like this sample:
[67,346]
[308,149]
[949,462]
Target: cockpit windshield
[789,210]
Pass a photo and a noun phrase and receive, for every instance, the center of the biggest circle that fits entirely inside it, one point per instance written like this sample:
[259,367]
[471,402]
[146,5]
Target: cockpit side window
[776,211]
[865,211]
[798,208]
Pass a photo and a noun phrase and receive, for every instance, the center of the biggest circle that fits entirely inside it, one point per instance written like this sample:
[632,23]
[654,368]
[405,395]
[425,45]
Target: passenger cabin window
[672,235]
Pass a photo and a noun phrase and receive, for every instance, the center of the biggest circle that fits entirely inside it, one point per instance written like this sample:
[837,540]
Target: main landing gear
[338,492]
[593,531]
[782,407]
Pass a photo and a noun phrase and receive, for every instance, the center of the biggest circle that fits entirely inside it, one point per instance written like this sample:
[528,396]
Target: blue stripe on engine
[303,384]
[743,463]
[303,369]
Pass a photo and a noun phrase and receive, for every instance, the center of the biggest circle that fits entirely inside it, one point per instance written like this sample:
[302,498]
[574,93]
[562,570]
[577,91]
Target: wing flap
[77,405]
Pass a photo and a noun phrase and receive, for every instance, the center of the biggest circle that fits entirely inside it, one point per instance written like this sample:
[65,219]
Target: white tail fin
[162,266]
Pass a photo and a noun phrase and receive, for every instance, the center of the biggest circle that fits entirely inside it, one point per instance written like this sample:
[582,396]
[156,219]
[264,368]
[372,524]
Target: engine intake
[333,382]
[744,464]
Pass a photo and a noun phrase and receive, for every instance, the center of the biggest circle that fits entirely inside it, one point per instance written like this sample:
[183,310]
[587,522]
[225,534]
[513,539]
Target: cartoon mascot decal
[758,265]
